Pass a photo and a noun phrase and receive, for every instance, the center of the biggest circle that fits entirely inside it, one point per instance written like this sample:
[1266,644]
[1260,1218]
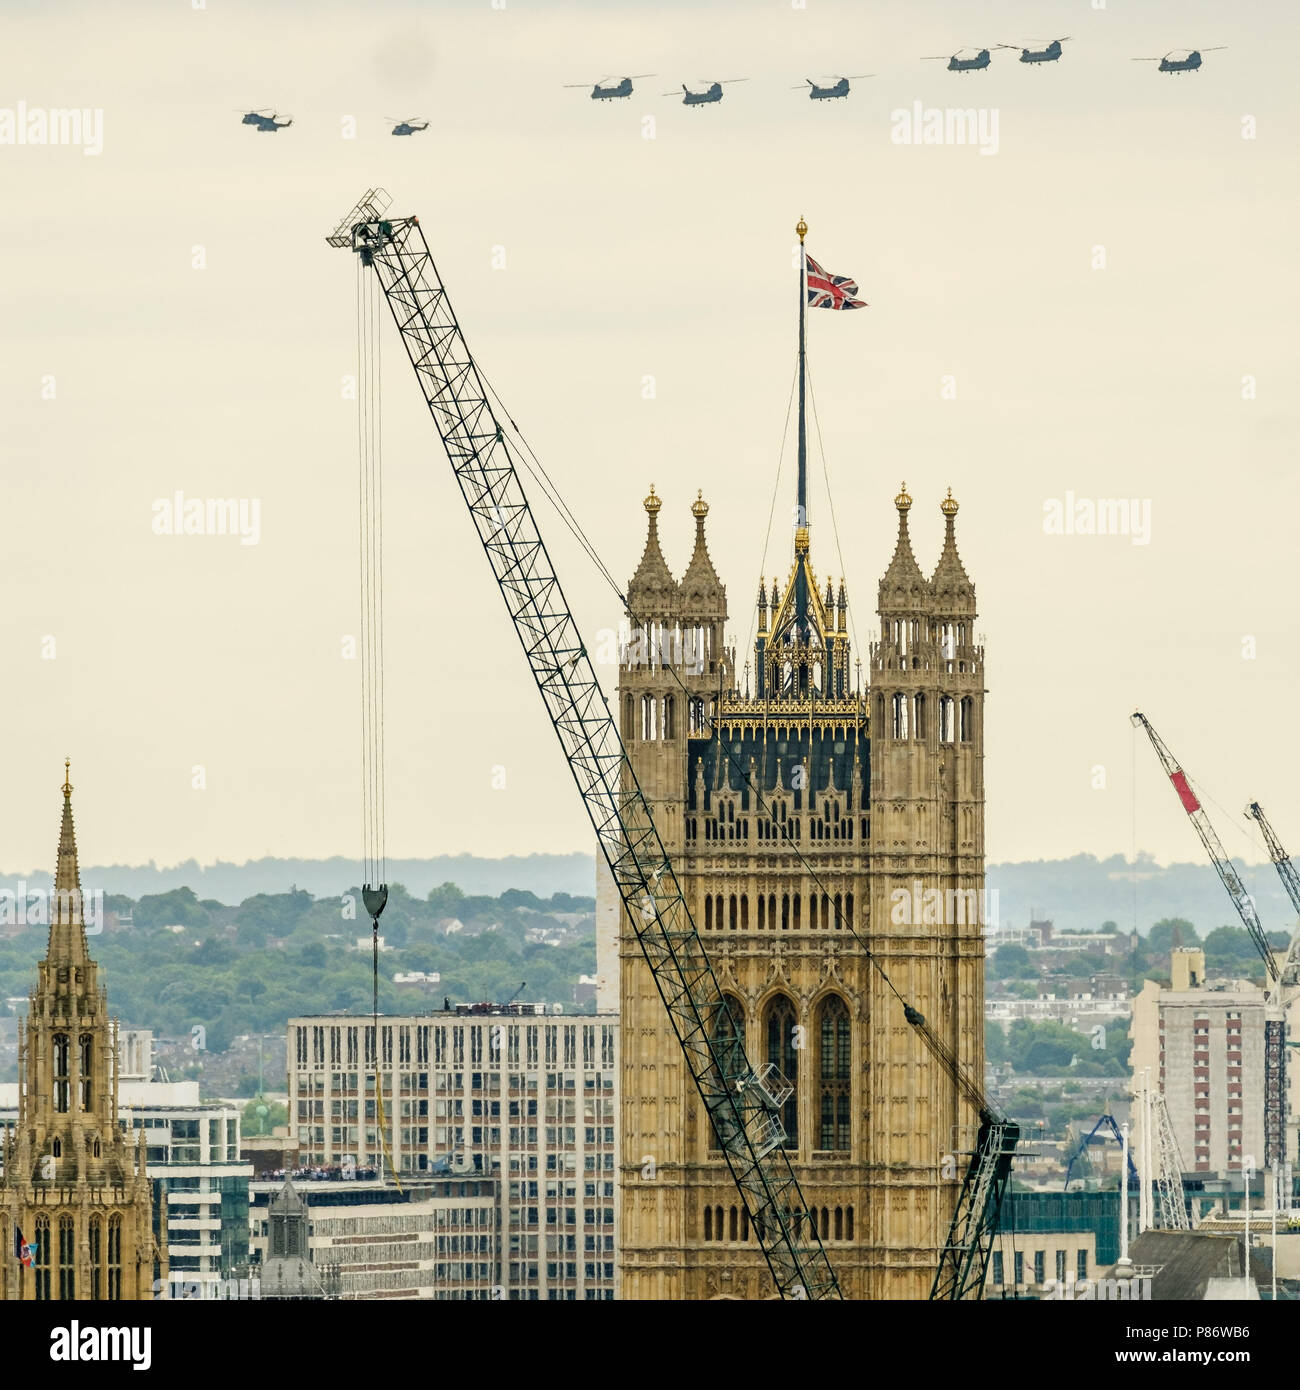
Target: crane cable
[371,506]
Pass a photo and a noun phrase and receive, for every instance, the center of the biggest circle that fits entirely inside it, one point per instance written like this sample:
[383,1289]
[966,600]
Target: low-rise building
[371,1239]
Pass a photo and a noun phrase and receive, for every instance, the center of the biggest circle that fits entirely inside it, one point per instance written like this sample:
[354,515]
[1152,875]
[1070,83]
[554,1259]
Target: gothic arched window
[918,716]
[967,719]
[945,719]
[729,1044]
[61,1072]
[67,1260]
[649,717]
[115,1256]
[781,1023]
[834,1074]
[96,1256]
[86,1051]
[41,1256]
[899,725]
[670,717]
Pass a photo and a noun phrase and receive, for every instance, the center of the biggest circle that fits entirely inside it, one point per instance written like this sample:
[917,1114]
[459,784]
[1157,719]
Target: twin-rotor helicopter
[269,121]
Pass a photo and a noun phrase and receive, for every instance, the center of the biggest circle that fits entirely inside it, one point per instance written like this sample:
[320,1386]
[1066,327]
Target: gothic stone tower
[881,794]
[74,1185]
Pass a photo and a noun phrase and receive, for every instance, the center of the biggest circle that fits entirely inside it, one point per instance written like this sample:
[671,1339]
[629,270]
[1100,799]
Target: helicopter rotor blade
[1219,49]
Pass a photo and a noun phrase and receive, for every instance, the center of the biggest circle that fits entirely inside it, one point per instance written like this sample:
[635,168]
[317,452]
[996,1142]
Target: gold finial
[949,505]
[903,501]
[699,508]
[67,773]
[802,229]
[653,503]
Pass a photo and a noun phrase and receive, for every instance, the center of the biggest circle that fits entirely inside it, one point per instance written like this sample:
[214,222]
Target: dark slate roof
[1185,1262]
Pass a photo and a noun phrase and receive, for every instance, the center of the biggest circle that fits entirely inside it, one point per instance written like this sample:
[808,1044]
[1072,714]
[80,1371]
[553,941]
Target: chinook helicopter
[706,92]
[976,61]
[610,88]
[1181,59]
[829,87]
[1050,54]
[266,120]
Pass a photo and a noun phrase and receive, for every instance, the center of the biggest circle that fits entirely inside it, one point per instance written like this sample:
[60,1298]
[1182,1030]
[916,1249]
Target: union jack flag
[831,291]
[23,1252]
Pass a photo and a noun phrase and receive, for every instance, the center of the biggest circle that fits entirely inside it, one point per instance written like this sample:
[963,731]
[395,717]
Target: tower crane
[743,1103]
[1241,899]
[1275,993]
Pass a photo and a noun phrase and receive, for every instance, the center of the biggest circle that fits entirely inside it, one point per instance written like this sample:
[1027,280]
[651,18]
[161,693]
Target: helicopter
[956,63]
[1189,60]
[712,92]
[265,120]
[610,88]
[829,87]
[410,126]
[1050,54]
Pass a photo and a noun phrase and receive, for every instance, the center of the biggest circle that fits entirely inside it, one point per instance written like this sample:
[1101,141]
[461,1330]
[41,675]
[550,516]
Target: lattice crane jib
[743,1105]
[964,1259]
[1290,877]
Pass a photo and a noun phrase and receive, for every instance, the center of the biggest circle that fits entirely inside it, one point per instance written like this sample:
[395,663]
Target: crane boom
[1286,871]
[1241,899]
[964,1259]
[743,1105]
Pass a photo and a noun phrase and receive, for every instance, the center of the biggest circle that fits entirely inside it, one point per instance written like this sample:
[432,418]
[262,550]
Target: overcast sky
[628,257]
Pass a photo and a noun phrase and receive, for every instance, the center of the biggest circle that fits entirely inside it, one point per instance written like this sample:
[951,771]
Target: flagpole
[801,518]
[802,230]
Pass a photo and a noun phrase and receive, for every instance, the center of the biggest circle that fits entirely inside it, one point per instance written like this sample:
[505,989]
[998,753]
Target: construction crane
[1107,1122]
[1241,899]
[1287,872]
[1168,1166]
[1276,996]
[964,1259]
[743,1104]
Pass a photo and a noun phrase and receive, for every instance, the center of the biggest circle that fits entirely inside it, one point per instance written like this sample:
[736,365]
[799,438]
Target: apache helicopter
[266,120]
[412,125]
[1181,59]
[610,88]
[829,87]
[712,91]
[956,63]
[1050,54]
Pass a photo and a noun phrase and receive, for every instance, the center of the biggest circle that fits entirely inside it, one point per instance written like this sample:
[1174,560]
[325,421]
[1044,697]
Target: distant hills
[543,874]
[1077,893]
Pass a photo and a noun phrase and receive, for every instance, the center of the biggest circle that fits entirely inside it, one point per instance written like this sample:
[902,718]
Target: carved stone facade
[811,821]
[74,1192]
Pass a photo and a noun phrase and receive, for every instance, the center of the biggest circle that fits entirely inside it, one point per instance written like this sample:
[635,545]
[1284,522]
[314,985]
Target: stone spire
[950,584]
[67,945]
[903,585]
[652,590]
[700,585]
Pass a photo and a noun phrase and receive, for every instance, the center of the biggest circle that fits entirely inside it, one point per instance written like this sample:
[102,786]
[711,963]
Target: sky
[1101,307]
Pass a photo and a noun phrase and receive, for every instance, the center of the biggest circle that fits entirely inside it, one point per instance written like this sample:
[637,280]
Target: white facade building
[524,1097]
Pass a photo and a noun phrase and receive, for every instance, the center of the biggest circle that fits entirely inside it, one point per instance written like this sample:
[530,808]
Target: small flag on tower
[22,1251]
[831,291]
